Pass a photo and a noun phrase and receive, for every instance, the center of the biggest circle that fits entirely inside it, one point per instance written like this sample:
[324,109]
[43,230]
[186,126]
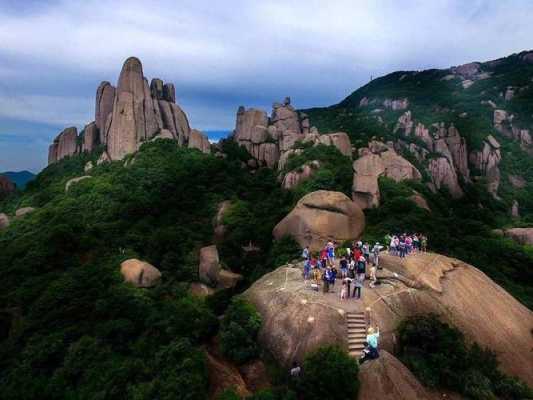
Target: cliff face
[129,115]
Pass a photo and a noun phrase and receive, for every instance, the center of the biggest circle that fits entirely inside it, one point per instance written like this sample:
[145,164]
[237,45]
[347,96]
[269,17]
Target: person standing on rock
[424,243]
[344,267]
[326,278]
[331,252]
[307,263]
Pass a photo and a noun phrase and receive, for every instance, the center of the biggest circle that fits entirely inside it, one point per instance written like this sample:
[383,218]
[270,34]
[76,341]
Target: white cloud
[222,54]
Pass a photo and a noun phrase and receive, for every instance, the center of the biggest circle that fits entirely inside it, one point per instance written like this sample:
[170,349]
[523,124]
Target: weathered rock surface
[320,216]
[4,221]
[224,376]
[487,162]
[218,222]
[129,115]
[91,137]
[64,145]
[197,140]
[105,97]
[140,273]
[520,235]
[458,293]
[378,160]
[386,378]
[23,211]
[72,181]
[228,279]
[297,320]
[209,268]
[443,175]
[294,321]
[295,177]
[271,140]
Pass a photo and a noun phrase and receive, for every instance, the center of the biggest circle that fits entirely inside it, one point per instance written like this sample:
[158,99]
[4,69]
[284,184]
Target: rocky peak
[64,145]
[130,114]
[6,187]
[270,140]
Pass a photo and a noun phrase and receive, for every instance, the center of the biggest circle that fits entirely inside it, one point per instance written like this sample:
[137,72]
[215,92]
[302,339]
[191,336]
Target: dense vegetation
[69,325]
[439,356]
[329,373]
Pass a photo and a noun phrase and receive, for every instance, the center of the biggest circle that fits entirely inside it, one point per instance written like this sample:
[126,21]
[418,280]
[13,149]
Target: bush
[239,330]
[439,356]
[329,373]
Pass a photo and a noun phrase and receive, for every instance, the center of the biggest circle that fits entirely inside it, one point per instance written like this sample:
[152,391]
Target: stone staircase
[356,326]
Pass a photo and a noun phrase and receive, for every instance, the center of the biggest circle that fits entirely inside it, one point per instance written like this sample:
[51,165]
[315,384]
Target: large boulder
[386,378]
[140,273]
[295,321]
[520,235]
[4,221]
[340,140]
[224,376]
[321,216]
[463,296]
[209,268]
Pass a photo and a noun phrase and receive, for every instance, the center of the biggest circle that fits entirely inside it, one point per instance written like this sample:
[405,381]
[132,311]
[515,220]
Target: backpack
[361,267]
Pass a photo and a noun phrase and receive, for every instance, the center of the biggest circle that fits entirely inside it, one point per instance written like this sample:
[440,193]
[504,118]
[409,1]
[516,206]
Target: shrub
[437,353]
[239,330]
[329,373]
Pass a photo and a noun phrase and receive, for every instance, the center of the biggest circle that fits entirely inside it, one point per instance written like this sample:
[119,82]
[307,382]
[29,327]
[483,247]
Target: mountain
[20,178]
[124,261]
[462,126]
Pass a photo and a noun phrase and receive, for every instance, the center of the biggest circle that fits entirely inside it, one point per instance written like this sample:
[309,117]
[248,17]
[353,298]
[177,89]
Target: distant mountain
[20,178]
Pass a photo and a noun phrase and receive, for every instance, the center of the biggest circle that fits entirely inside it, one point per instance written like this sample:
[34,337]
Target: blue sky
[53,54]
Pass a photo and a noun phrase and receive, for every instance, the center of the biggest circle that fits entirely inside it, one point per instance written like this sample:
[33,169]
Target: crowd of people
[324,270]
[349,265]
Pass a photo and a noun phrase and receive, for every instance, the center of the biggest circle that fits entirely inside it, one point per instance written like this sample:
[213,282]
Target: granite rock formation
[378,160]
[130,114]
[270,140]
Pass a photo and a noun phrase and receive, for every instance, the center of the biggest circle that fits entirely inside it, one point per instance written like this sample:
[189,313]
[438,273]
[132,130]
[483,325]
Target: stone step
[352,325]
[356,354]
[356,332]
[352,338]
[355,349]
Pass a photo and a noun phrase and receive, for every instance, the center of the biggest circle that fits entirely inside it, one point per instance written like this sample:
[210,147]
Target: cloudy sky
[221,54]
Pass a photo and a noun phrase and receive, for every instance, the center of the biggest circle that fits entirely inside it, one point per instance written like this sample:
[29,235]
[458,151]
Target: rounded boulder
[321,216]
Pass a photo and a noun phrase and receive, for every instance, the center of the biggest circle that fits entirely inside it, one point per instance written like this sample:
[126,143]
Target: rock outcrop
[211,273]
[65,144]
[269,140]
[487,161]
[378,160]
[297,320]
[321,216]
[505,124]
[386,378]
[443,175]
[140,273]
[520,235]
[209,267]
[4,221]
[91,137]
[130,114]
[295,177]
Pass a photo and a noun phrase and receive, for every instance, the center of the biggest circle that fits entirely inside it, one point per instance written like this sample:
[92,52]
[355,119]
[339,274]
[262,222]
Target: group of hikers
[322,269]
[349,265]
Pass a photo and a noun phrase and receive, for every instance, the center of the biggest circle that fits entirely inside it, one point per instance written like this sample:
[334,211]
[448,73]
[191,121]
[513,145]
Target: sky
[222,54]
